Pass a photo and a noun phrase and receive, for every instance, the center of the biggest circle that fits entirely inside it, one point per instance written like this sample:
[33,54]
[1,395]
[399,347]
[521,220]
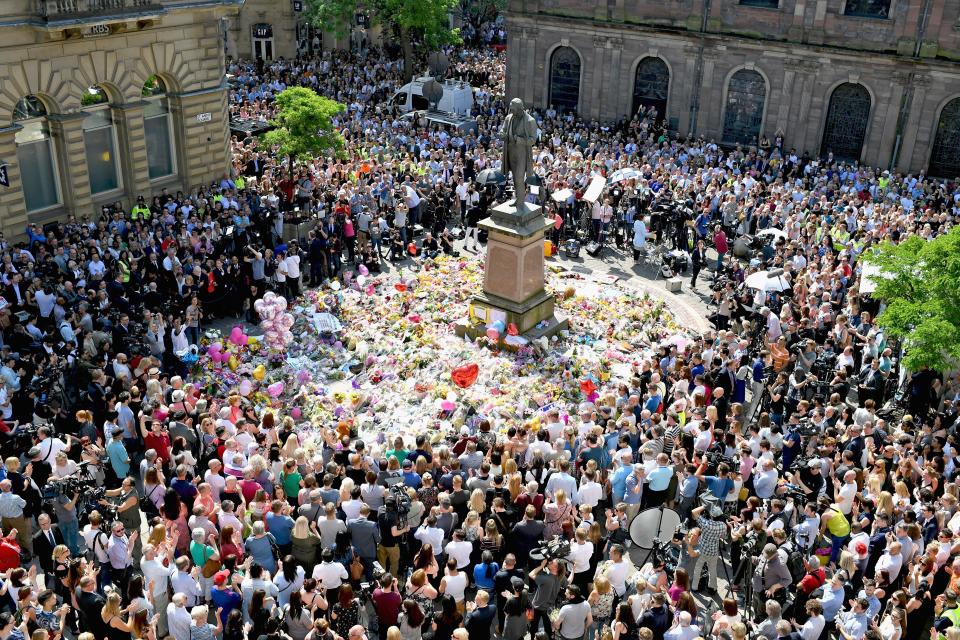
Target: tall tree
[427,20]
[918,280]
[303,127]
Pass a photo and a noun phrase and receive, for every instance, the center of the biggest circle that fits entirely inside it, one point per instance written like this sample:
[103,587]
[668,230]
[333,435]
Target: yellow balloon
[233,363]
[259,373]
[251,340]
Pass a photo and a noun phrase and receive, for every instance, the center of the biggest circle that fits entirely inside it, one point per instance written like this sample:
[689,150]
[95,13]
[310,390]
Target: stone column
[132,143]
[531,78]
[805,129]
[66,129]
[617,82]
[594,81]
[12,202]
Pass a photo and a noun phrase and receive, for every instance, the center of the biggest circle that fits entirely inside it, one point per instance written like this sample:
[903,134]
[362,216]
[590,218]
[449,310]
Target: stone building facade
[106,100]
[870,80]
[272,29]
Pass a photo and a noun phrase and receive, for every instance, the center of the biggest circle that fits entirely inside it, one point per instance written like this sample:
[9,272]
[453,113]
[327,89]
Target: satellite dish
[432,91]
[654,524]
[439,63]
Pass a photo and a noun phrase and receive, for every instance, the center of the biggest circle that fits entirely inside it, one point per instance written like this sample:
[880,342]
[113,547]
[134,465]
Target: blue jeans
[720,261]
[71,535]
[836,546]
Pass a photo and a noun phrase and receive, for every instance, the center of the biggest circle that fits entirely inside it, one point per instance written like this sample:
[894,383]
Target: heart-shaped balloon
[465,375]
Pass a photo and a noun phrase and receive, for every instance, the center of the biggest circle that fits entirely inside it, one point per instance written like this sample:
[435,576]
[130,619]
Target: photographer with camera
[392,530]
[713,528]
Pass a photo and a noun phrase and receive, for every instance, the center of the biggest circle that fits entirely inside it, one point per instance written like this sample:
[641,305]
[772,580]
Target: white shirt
[216,482]
[460,551]
[178,621]
[330,574]
[102,540]
[430,535]
[891,564]
[680,632]
[847,494]
[580,556]
[590,493]
[351,508]
[617,575]
[293,266]
[185,583]
[154,570]
[49,449]
[812,628]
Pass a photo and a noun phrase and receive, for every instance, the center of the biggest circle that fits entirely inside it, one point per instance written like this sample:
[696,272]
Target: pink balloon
[296,413]
[245,388]
[447,405]
[493,334]
[275,389]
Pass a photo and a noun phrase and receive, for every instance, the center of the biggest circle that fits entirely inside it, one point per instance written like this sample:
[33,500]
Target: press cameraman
[391,535]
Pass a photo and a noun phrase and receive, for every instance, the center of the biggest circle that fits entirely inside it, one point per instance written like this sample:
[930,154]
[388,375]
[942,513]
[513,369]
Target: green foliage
[425,18]
[481,11]
[303,128]
[920,284]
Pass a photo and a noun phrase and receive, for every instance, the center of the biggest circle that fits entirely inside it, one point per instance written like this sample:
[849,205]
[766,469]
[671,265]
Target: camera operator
[127,504]
[65,509]
[713,528]
[391,535]
[810,479]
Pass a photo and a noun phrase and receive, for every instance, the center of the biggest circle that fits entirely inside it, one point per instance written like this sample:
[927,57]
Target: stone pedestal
[513,274]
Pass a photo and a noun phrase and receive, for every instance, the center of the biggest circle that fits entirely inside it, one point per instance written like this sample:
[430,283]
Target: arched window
[565,79]
[100,142]
[36,155]
[158,129]
[743,116]
[945,158]
[846,124]
[651,86]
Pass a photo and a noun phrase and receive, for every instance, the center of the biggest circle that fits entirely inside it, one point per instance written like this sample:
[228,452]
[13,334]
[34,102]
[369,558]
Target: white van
[457,97]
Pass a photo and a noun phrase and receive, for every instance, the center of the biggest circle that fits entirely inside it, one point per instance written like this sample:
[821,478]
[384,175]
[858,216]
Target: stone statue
[518,134]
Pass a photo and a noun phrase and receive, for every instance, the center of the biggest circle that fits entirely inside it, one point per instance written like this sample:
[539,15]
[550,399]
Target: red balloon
[513,330]
[587,386]
[401,287]
[465,375]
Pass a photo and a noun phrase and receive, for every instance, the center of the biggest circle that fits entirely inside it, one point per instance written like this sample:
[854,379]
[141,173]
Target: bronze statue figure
[518,133]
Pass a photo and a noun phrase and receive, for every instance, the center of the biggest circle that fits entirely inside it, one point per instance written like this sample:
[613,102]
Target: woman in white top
[289,578]
[454,584]
[580,553]
[728,616]
[892,625]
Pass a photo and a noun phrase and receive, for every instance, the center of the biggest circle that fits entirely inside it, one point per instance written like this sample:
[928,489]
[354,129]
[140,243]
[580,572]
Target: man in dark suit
[365,535]
[44,541]
[90,604]
[526,534]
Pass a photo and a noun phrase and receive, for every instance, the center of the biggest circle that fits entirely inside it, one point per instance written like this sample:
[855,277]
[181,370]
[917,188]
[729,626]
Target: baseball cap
[220,577]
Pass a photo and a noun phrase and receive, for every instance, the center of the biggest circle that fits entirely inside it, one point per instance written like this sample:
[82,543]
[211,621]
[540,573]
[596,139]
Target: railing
[62,9]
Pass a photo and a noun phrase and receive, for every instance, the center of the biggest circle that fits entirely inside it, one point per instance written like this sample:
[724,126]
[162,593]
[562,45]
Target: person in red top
[720,244]
[159,440]
[812,580]
[9,551]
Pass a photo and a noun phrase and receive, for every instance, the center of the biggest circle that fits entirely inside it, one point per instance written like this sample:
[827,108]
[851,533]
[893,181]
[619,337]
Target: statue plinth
[513,274]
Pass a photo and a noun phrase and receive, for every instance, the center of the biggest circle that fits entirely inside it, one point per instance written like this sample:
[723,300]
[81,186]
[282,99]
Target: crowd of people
[802,472]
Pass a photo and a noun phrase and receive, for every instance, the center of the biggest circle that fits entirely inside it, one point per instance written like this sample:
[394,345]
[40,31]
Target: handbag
[210,566]
[356,568]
